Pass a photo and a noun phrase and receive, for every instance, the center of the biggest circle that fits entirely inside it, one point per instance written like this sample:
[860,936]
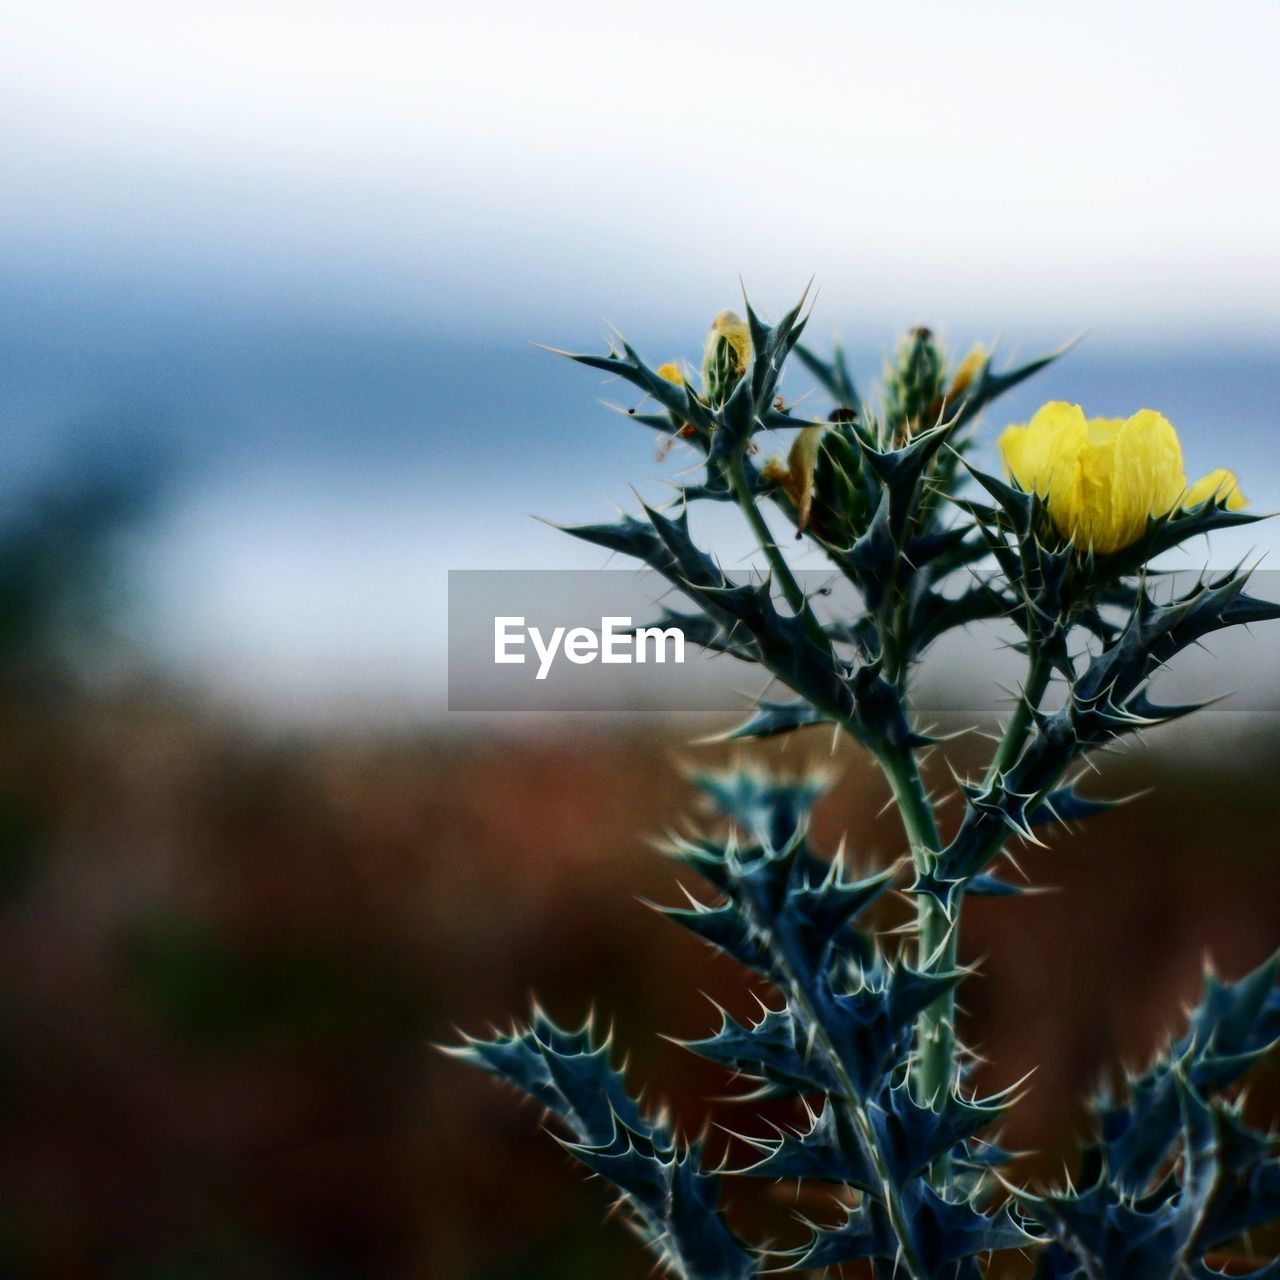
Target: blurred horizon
[288,265]
[311,487]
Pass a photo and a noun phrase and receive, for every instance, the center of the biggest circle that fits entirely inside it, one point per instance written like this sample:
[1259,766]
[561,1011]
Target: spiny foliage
[838,1037]
[1175,1173]
[672,1203]
[859,1034]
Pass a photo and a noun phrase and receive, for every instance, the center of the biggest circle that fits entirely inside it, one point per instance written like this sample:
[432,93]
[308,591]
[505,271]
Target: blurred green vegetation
[225,953]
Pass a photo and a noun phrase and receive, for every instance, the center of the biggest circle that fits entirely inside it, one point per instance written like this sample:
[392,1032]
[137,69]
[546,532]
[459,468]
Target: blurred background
[270,280]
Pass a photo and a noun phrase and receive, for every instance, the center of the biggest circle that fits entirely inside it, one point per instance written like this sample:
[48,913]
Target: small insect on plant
[861,1029]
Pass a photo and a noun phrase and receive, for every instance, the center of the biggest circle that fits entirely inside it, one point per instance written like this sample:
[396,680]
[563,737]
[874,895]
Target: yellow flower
[671,373]
[725,356]
[796,474]
[775,471]
[730,326]
[967,370]
[1219,483]
[1103,477]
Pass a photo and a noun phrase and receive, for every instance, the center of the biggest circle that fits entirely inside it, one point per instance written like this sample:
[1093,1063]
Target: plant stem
[899,765]
[936,934]
[738,482]
[862,1122]
[939,935]
[917,813]
[791,589]
[936,1032]
[1015,734]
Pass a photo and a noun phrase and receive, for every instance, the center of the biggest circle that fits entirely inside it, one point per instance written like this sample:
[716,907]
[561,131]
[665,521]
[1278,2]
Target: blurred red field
[227,953]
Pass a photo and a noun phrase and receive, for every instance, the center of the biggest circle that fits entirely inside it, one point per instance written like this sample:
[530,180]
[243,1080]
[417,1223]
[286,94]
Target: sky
[306,247]
[1001,159]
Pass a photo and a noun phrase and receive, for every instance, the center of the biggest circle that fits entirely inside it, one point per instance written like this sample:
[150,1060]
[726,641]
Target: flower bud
[725,357]
[967,371]
[670,372]
[913,386]
[796,474]
[1220,485]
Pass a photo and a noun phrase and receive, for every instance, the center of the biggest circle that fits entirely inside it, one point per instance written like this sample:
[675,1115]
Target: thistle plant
[861,1029]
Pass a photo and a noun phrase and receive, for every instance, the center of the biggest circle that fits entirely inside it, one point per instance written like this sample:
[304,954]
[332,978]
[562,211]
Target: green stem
[741,486]
[899,765]
[936,935]
[936,1030]
[866,1130]
[1014,737]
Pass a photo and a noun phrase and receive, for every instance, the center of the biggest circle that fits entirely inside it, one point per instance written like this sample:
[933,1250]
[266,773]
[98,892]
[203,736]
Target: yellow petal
[1044,455]
[967,370]
[1013,444]
[671,373]
[1219,484]
[1133,470]
[1150,451]
[800,464]
[1099,519]
[730,327]
[725,356]
[775,471]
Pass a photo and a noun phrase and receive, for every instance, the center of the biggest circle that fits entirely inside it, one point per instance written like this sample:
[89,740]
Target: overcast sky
[1091,159]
